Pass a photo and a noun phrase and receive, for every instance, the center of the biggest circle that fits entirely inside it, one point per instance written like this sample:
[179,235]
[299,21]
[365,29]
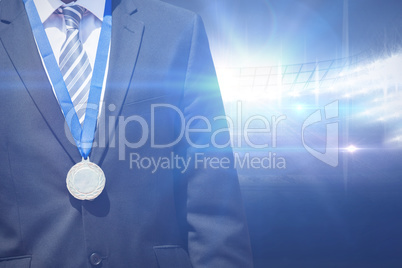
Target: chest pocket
[172,256]
[16,262]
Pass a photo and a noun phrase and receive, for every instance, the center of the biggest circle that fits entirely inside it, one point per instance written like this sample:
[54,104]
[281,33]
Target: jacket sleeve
[209,199]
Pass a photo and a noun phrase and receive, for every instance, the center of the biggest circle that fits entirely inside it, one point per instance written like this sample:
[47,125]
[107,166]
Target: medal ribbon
[83,135]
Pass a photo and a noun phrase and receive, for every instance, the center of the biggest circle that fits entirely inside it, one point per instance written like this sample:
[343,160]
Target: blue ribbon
[83,136]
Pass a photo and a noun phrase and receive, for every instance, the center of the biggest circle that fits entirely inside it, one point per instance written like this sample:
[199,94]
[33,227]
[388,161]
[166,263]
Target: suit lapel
[17,38]
[126,42]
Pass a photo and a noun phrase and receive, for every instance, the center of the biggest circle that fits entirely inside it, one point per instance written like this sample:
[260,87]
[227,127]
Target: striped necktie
[74,63]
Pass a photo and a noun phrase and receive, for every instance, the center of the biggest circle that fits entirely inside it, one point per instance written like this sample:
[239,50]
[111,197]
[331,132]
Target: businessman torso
[160,75]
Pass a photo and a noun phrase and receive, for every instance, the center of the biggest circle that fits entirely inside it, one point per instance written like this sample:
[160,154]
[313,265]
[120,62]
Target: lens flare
[368,90]
[351,149]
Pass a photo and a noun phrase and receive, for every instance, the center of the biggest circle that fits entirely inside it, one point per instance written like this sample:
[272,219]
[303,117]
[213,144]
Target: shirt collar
[47,7]
[95,7]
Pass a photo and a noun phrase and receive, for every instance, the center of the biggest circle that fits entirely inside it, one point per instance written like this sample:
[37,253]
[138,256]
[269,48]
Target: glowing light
[351,149]
[294,94]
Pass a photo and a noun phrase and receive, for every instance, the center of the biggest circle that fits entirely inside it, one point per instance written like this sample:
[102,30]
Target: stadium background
[293,58]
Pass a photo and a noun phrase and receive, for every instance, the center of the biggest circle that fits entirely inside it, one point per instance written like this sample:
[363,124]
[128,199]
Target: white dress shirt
[89,31]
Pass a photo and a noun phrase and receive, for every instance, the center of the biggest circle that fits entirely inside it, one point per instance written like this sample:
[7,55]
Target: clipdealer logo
[241,132]
[331,112]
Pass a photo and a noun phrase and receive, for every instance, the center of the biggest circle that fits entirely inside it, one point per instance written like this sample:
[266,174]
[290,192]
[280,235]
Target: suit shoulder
[165,12]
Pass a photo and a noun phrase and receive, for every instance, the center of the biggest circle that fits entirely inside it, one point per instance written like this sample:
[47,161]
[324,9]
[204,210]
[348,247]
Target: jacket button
[95,259]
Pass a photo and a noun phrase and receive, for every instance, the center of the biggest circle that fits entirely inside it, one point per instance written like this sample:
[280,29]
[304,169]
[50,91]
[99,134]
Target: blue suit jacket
[144,217]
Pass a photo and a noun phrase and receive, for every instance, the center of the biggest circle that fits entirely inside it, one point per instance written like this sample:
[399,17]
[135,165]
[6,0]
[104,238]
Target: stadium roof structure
[367,88]
[294,80]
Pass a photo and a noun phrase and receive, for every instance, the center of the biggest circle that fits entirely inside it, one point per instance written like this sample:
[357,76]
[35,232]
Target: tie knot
[72,16]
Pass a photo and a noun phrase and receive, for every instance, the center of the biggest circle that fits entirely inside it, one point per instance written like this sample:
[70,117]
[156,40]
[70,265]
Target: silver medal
[85,180]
